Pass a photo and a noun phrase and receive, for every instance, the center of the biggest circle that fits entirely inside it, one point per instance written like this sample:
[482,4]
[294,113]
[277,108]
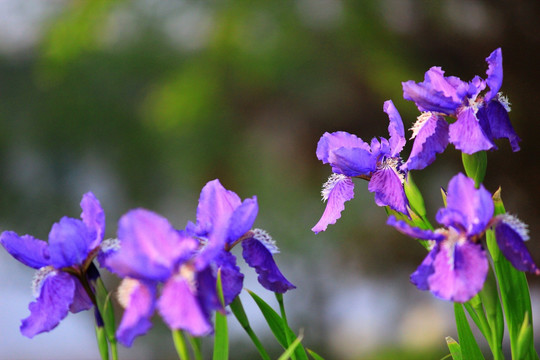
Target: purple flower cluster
[175,270]
[456,267]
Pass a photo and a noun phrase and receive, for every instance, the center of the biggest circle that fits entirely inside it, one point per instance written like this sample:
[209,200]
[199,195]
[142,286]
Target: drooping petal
[414,232]
[475,205]
[242,219]
[52,304]
[420,277]
[70,242]
[430,138]
[231,278]
[459,271]
[138,299]
[495,123]
[330,142]
[81,300]
[260,258]
[93,216]
[467,135]
[337,190]
[388,189]
[395,128]
[352,161]
[149,246]
[180,308]
[27,249]
[511,234]
[494,73]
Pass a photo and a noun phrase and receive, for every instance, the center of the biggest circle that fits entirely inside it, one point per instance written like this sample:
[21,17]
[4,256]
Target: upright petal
[395,128]
[337,190]
[388,189]
[52,304]
[27,249]
[242,219]
[494,73]
[459,271]
[495,123]
[430,138]
[475,205]
[467,135]
[70,242]
[330,142]
[93,216]
[511,234]
[180,308]
[138,299]
[260,258]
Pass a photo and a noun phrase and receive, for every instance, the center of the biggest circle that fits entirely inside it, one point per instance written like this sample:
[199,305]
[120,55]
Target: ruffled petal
[231,278]
[467,135]
[52,304]
[413,232]
[459,271]
[330,142]
[27,249]
[93,216]
[420,277]
[388,189]
[138,298]
[475,206]
[69,242]
[495,123]
[431,138]
[180,308]
[149,246]
[511,234]
[260,258]
[242,219]
[337,190]
[494,73]
[395,128]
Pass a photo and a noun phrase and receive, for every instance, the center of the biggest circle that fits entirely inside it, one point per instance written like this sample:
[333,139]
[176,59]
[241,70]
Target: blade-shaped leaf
[221,335]
[468,344]
[455,349]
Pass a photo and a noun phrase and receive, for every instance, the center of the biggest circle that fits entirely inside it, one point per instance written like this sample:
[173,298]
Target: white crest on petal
[517,225]
[124,291]
[266,240]
[420,122]
[328,186]
[504,101]
[112,244]
[39,278]
[393,163]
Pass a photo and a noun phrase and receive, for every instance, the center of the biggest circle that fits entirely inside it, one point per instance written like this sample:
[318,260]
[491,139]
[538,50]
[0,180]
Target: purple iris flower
[456,266]
[61,264]
[481,119]
[224,220]
[378,162]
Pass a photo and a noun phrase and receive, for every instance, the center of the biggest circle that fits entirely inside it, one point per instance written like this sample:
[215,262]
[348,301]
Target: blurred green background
[145,101]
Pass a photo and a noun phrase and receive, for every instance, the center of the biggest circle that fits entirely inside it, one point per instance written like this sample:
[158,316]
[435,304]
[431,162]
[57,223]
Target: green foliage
[469,346]
[455,349]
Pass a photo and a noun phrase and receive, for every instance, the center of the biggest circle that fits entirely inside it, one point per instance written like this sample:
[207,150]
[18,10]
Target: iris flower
[61,283]
[378,162]
[481,118]
[456,267]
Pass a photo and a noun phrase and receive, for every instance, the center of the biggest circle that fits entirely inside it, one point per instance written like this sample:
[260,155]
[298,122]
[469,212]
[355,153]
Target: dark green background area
[144,102]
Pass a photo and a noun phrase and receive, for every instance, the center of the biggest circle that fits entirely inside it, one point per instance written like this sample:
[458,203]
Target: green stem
[114,350]
[279,298]
[180,344]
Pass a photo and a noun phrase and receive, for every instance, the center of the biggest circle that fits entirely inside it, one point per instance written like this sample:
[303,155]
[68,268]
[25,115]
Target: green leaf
[455,349]
[103,345]
[103,299]
[524,338]
[468,344]
[475,166]
[180,344]
[414,196]
[314,355]
[221,335]
[289,353]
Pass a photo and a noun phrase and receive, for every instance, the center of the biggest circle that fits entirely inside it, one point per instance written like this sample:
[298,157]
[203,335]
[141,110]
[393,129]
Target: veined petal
[138,299]
[242,219]
[430,138]
[459,271]
[467,135]
[352,161]
[475,205]
[511,233]
[260,258]
[395,128]
[27,249]
[495,123]
[93,216]
[52,304]
[337,190]
[180,308]
[414,232]
[420,277]
[231,278]
[494,73]
[70,242]
[330,142]
[388,188]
